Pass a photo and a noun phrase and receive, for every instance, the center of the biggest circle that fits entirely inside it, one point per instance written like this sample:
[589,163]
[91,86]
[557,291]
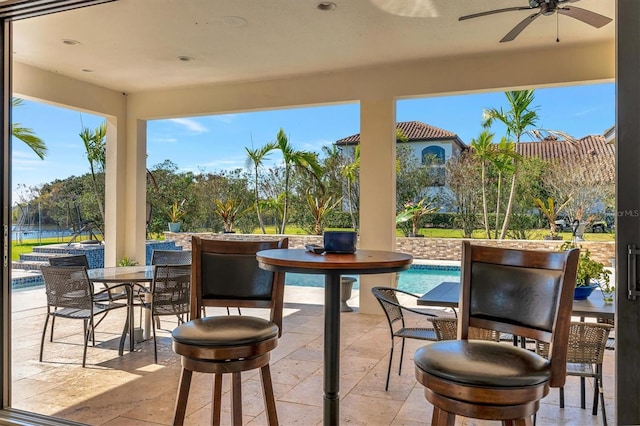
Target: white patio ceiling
[133,45]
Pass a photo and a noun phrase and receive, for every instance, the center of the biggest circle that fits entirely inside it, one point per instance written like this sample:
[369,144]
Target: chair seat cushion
[232,330]
[483,363]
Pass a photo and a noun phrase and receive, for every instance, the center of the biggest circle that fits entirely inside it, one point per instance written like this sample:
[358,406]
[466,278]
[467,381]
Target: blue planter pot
[581,293]
[174,226]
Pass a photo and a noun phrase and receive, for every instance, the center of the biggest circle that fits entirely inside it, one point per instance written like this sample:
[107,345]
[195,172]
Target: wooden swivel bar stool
[525,293]
[226,274]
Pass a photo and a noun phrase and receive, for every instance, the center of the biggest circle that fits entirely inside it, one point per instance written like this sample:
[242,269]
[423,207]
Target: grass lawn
[27,245]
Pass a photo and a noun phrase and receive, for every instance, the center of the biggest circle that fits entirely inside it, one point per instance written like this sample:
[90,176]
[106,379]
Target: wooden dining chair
[525,293]
[226,274]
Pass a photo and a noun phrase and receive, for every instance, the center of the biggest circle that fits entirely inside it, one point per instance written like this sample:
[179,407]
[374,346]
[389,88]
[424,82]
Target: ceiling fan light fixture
[184,58]
[70,42]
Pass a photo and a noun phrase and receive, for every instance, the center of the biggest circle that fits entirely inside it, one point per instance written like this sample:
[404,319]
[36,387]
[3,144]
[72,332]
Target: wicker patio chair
[170,295]
[71,295]
[447,329]
[585,355]
[387,296]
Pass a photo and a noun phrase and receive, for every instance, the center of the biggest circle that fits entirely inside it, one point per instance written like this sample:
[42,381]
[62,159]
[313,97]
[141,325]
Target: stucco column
[114,201]
[377,189]
[125,192]
[136,193]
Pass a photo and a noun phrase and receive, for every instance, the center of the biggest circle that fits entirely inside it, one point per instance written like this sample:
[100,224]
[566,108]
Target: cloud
[585,112]
[227,118]
[218,165]
[314,145]
[164,140]
[191,125]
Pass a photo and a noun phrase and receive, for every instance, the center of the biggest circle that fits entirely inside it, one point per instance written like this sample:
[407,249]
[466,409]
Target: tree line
[489,186]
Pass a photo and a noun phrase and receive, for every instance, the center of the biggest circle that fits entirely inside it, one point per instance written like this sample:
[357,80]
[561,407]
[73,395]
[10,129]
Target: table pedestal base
[331,403]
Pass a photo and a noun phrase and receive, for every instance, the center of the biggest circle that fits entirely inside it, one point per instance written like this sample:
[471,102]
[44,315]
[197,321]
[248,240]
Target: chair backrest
[390,304]
[171,289]
[171,257]
[67,287]
[587,343]
[71,260]
[226,273]
[523,292]
[447,329]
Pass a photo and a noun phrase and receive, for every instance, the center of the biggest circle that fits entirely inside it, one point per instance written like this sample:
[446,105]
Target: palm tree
[27,135]
[256,158]
[483,150]
[503,163]
[517,120]
[94,145]
[350,173]
[303,160]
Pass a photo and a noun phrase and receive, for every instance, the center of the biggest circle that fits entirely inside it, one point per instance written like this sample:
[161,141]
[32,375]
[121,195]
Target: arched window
[433,155]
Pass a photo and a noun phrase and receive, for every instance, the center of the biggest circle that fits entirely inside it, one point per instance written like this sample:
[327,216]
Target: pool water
[418,279]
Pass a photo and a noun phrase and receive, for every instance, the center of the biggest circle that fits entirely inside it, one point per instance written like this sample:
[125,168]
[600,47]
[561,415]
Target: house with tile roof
[430,144]
[593,151]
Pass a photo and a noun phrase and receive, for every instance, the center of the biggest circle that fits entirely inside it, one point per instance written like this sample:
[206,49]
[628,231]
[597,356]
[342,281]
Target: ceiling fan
[547,8]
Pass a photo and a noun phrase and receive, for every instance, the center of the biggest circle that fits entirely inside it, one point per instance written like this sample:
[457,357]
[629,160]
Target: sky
[214,143]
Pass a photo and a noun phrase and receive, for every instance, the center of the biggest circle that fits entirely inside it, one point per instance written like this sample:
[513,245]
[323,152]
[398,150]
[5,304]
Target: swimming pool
[418,279]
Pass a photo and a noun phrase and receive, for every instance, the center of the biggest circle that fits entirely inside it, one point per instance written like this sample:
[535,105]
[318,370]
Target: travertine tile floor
[132,390]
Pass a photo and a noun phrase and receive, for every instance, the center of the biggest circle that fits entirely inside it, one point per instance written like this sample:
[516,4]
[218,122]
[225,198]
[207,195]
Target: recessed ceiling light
[70,42]
[87,70]
[186,58]
[234,21]
[326,6]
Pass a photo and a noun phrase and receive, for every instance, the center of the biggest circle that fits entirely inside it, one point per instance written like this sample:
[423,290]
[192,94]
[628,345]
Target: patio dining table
[332,266]
[135,276]
[447,293]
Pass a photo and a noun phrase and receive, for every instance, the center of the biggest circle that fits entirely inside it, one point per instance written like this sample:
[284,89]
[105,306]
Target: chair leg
[267,392]
[562,397]
[236,399]
[53,323]
[183,396]
[216,400]
[583,403]
[442,418]
[386,386]
[401,356]
[87,332]
[44,333]
[155,343]
[518,422]
[124,333]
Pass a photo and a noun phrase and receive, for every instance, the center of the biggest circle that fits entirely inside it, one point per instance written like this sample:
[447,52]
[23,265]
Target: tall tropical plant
[483,150]
[320,207]
[256,158]
[350,172]
[302,160]
[27,135]
[95,147]
[502,161]
[517,120]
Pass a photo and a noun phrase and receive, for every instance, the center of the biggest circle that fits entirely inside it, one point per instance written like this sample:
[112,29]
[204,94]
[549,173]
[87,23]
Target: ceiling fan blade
[521,26]
[491,12]
[584,15]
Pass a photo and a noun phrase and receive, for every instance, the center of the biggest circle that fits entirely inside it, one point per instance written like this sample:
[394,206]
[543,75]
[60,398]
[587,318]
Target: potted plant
[176,212]
[591,274]
[229,211]
[413,212]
